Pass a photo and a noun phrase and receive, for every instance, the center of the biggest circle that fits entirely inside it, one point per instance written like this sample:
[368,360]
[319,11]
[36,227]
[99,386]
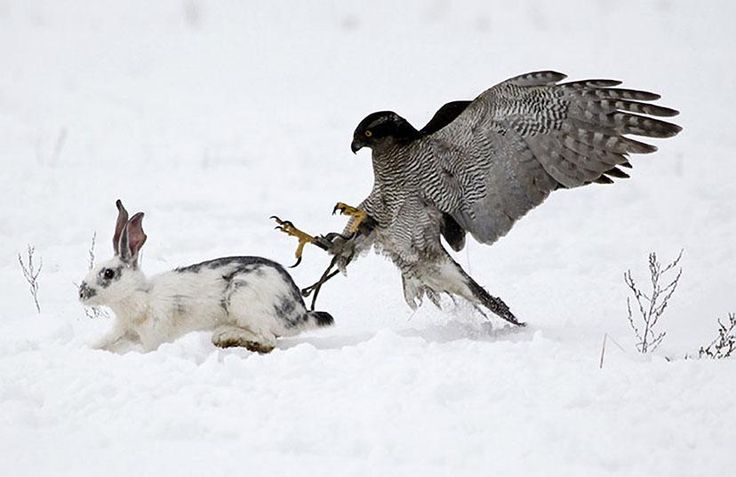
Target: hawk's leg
[358,216]
[304,238]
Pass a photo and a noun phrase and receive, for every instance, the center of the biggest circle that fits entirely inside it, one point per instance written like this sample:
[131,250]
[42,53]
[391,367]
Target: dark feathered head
[377,128]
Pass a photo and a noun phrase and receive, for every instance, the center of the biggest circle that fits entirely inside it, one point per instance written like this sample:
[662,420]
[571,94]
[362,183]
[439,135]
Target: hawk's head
[378,128]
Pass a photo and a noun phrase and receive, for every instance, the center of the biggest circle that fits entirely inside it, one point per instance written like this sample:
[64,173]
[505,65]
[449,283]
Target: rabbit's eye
[108,273]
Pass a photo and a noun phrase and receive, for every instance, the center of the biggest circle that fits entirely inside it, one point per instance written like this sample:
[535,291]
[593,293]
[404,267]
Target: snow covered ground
[211,116]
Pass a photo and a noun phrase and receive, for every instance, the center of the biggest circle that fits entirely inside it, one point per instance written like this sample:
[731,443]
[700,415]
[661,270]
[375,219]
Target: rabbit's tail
[320,318]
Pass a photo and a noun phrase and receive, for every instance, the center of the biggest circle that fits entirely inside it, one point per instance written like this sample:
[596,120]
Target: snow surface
[211,116]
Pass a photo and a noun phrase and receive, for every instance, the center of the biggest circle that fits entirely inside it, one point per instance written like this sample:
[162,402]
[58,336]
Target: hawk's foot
[358,216]
[304,238]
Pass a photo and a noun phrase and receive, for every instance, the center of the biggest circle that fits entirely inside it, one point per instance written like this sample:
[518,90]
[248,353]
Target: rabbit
[244,301]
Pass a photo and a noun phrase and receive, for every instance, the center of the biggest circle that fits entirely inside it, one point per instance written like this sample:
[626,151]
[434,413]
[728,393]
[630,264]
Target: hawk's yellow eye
[368,134]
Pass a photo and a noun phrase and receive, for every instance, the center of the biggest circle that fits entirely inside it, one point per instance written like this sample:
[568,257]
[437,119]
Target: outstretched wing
[523,138]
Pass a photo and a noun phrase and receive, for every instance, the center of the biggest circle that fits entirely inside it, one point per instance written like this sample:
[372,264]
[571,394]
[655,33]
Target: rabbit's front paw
[113,344]
[232,336]
[118,340]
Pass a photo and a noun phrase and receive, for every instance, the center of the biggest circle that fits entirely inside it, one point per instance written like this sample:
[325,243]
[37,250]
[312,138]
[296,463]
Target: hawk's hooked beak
[356,146]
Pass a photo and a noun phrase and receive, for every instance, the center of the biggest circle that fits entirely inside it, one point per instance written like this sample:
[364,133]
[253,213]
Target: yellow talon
[304,238]
[358,216]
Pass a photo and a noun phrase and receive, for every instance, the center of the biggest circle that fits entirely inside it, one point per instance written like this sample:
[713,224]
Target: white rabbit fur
[244,301]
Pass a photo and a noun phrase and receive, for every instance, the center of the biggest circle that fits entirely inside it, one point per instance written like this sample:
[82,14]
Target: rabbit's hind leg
[228,336]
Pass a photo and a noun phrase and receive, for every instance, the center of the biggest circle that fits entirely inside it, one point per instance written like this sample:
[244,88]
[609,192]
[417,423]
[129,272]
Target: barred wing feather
[529,135]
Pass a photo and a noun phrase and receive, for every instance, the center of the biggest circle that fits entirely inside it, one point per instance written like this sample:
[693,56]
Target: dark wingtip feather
[636,147]
[603,180]
[675,129]
[618,173]
[638,107]
[546,75]
[648,149]
[622,93]
[553,75]
[640,95]
[593,83]
[666,112]
[643,125]
[659,129]
[537,78]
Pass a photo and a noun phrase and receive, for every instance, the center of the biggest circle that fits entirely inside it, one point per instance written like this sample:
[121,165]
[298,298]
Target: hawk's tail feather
[494,304]
[447,276]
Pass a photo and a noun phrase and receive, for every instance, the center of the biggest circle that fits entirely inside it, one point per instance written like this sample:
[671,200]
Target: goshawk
[478,166]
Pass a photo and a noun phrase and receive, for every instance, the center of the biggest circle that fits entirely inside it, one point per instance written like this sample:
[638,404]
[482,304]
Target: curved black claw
[333,235]
[289,229]
[344,209]
[282,224]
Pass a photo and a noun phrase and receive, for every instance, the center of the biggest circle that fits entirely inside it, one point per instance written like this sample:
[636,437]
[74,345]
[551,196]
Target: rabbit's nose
[85,292]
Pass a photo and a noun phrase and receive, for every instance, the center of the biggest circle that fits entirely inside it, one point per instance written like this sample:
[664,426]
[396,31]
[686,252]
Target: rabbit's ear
[119,226]
[132,239]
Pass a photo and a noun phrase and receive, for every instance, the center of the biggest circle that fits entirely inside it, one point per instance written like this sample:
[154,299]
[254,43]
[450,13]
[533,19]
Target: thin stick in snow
[603,349]
[31,273]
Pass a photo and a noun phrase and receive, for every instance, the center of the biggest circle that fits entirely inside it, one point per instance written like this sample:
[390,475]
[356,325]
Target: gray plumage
[481,165]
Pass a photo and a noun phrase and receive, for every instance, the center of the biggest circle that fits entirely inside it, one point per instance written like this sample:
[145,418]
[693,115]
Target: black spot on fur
[180,306]
[231,287]
[228,277]
[243,264]
[284,309]
[238,267]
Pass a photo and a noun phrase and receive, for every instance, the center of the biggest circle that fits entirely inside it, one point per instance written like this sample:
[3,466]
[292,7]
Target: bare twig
[31,273]
[604,347]
[603,350]
[192,13]
[58,146]
[725,344]
[93,312]
[91,252]
[651,306]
